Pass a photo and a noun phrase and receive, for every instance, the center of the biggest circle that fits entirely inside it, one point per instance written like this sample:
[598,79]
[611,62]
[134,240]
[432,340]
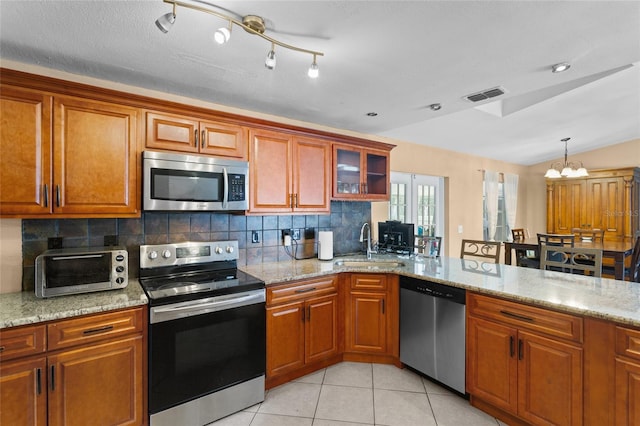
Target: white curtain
[510,199]
[491,199]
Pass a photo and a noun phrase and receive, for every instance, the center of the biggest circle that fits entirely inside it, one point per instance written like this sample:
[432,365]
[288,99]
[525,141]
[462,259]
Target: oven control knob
[166,254]
[218,250]
[229,249]
[153,254]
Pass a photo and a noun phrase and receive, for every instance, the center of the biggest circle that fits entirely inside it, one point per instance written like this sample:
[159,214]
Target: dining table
[615,250]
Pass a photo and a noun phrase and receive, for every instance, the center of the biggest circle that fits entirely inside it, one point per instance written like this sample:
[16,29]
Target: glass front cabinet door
[360,173]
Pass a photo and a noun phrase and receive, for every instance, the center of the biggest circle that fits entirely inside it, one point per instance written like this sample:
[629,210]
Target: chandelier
[566,169]
[250,23]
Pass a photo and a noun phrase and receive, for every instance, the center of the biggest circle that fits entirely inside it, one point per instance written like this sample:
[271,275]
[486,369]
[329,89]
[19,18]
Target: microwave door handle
[225,192]
[86,256]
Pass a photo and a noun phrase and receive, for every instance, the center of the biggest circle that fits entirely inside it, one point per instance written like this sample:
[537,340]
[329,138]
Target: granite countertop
[24,308]
[603,298]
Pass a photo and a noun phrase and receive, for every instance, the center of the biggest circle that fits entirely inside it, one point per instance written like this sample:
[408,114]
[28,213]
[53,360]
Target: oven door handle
[220,303]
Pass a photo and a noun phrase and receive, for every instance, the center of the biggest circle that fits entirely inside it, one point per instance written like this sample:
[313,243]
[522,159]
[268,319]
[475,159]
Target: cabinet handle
[512,349]
[305,290]
[46,195]
[202,140]
[97,330]
[382,306]
[295,199]
[38,381]
[57,195]
[195,137]
[366,188]
[303,314]
[308,313]
[516,316]
[291,200]
[53,377]
[1,348]
[520,349]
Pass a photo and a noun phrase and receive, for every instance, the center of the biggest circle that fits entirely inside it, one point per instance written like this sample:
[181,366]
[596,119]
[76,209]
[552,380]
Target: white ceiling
[390,57]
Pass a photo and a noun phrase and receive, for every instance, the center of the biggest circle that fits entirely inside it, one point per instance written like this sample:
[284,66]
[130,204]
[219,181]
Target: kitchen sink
[370,264]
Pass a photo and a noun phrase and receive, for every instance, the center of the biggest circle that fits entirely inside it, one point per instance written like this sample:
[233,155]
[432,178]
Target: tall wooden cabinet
[606,199]
[288,174]
[67,156]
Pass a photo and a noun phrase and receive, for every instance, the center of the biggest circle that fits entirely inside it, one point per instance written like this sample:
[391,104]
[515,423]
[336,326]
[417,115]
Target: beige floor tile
[275,420]
[291,399]
[393,378]
[452,410]
[252,409]
[349,374]
[399,408]
[242,418]
[349,404]
[316,377]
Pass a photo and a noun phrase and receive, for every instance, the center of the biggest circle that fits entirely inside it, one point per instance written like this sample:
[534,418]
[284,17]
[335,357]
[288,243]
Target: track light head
[165,22]
[222,34]
[270,62]
[313,69]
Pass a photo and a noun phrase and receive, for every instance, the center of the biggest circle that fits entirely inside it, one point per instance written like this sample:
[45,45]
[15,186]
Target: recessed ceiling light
[435,107]
[372,114]
[563,66]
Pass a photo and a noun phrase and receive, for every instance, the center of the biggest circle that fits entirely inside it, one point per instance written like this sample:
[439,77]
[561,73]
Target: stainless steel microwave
[178,182]
[61,272]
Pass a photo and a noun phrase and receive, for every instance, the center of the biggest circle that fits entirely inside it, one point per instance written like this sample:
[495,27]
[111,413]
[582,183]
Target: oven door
[206,345]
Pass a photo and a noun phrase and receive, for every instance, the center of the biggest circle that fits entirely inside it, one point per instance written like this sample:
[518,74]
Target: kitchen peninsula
[595,319]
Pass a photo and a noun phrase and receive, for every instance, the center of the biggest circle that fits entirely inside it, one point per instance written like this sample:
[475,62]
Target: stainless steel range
[207,337]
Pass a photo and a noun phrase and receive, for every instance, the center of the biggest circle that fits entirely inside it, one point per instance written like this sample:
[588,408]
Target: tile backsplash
[345,221]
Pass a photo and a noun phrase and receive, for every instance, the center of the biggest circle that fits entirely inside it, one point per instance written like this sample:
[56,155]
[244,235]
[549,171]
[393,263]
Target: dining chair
[588,234]
[480,249]
[518,234]
[633,272]
[556,240]
[586,261]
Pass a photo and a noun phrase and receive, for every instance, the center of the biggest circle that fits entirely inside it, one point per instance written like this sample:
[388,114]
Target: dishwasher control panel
[454,294]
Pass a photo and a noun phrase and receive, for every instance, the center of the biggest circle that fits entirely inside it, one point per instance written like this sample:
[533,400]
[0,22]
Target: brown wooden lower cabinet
[531,376]
[303,328]
[96,381]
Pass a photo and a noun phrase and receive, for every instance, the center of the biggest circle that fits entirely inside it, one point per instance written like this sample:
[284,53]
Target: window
[418,199]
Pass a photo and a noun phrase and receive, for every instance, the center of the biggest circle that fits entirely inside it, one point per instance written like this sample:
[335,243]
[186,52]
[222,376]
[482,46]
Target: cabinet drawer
[526,317]
[301,290]
[628,342]
[22,341]
[369,281]
[63,334]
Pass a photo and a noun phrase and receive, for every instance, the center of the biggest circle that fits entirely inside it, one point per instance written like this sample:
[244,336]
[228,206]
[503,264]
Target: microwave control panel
[236,187]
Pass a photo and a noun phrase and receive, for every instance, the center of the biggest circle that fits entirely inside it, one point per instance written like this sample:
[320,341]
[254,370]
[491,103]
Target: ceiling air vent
[485,94]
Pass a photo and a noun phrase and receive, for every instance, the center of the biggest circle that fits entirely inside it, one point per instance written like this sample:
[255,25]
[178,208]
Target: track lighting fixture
[313,69]
[165,22]
[563,66]
[270,62]
[250,23]
[222,34]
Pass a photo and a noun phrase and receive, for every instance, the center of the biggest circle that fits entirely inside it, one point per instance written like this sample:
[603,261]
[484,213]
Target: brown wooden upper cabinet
[187,134]
[606,199]
[67,156]
[360,173]
[288,173]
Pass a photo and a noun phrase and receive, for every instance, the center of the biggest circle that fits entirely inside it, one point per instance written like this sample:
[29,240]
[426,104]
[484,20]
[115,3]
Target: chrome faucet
[366,225]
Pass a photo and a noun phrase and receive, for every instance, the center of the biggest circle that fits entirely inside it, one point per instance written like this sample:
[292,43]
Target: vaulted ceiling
[394,58]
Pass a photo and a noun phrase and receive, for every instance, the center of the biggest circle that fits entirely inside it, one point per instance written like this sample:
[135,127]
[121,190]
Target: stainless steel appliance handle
[203,306]
[225,192]
[86,256]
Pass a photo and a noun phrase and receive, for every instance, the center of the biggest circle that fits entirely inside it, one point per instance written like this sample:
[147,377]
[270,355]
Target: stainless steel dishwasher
[432,330]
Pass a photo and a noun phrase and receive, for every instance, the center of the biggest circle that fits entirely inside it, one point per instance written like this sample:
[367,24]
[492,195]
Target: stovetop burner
[172,273]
